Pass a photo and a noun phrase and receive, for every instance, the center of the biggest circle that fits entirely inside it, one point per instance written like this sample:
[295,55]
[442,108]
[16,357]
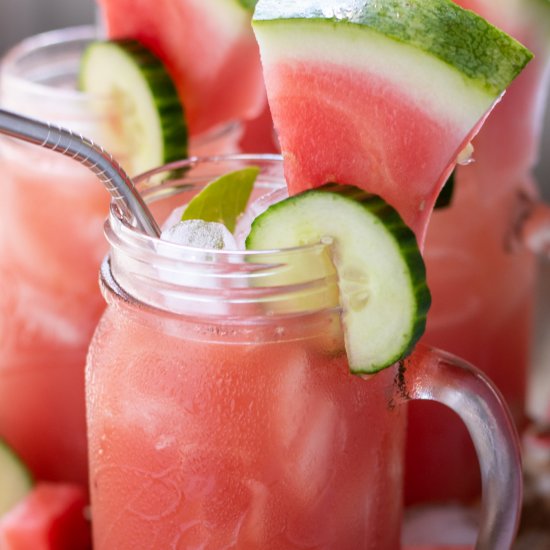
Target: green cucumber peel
[224,199]
[148,94]
[460,38]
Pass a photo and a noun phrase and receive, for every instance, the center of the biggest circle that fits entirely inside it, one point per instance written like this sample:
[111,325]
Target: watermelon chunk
[381,95]
[207,46]
[50,517]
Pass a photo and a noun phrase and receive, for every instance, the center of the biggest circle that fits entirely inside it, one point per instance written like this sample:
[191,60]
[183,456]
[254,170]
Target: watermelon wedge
[208,48]
[381,95]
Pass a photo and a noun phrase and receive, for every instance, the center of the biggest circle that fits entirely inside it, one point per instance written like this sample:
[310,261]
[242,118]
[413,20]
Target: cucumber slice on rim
[381,273]
[149,121]
[15,478]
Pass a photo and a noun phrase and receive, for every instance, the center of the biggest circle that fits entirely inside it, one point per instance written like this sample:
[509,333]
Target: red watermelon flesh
[401,153]
[207,46]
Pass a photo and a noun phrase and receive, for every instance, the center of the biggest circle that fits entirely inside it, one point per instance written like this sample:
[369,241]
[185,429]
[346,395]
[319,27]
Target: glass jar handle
[434,375]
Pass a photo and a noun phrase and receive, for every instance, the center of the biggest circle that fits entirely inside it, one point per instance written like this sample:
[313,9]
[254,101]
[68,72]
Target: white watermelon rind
[485,56]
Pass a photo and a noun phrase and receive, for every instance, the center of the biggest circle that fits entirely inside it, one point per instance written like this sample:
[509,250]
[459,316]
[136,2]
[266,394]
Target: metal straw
[85,151]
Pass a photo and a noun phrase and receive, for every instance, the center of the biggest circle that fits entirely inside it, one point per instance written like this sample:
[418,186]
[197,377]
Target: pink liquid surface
[218,436]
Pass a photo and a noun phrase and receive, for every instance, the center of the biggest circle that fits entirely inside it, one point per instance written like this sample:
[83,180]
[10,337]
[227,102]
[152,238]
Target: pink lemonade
[481,277]
[221,411]
[220,435]
[52,243]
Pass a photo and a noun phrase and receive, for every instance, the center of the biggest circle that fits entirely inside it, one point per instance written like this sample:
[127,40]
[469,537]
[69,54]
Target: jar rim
[282,281]
[10,63]
[125,228]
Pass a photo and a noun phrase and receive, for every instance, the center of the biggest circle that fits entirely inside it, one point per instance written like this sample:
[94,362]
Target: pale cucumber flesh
[381,274]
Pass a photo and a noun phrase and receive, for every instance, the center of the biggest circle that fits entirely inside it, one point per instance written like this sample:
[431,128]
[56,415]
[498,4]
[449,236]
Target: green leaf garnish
[223,200]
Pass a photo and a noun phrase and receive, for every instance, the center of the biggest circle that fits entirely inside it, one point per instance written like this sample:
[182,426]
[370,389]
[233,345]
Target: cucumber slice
[15,478]
[381,273]
[149,121]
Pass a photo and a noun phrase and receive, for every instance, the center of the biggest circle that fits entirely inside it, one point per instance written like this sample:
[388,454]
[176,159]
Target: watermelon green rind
[457,37]
[353,104]
[520,18]
[170,109]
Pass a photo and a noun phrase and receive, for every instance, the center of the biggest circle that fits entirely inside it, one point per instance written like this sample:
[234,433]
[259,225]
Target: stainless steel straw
[85,151]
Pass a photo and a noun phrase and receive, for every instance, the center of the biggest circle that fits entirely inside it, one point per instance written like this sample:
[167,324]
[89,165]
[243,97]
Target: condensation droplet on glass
[466,156]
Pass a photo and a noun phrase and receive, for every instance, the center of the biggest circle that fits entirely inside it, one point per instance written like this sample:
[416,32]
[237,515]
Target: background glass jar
[51,244]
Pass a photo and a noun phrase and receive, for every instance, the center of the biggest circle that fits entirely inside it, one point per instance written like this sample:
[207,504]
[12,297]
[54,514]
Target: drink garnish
[224,199]
[381,273]
[148,121]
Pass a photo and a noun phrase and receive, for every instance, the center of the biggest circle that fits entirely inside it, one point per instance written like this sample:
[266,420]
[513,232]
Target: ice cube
[200,234]
[189,274]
